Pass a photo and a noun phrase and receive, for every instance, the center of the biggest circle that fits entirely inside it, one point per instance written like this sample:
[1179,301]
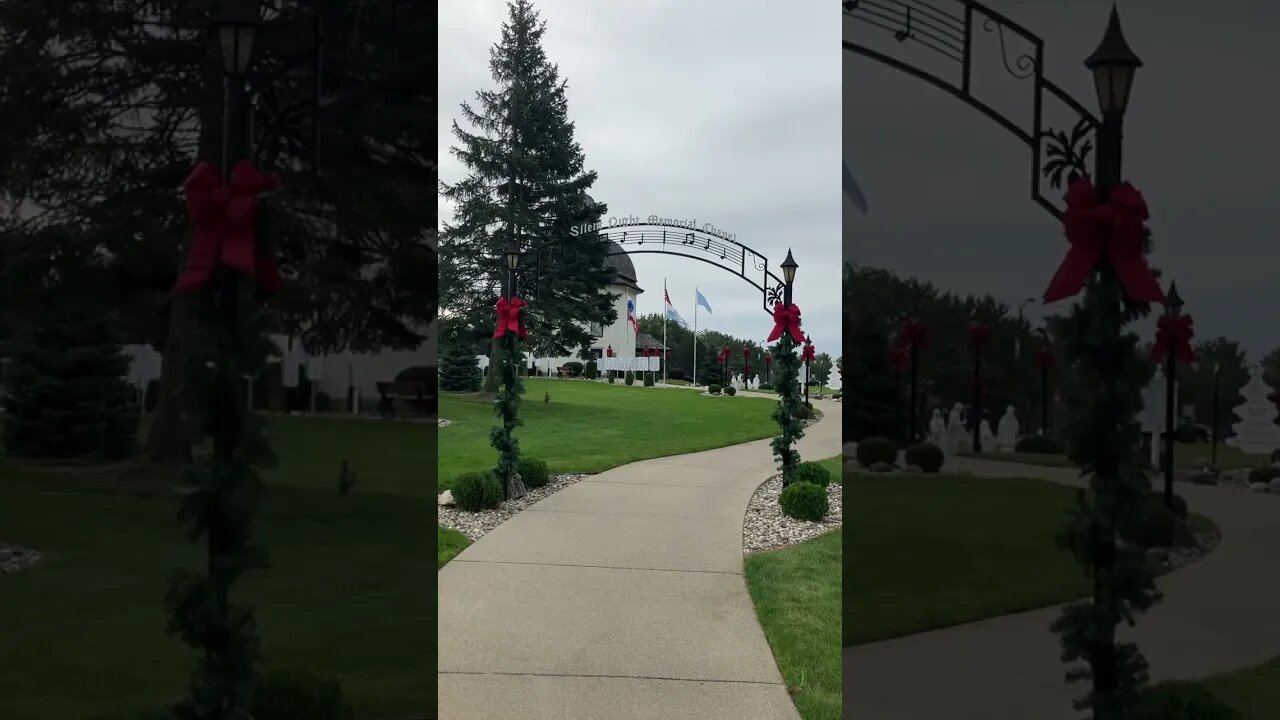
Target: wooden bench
[565,371]
[414,393]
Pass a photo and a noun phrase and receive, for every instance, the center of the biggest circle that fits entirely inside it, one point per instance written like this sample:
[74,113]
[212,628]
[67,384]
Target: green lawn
[796,591]
[448,544]
[348,596]
[1254,692]
[590,426]
[941,550]
[1185,455]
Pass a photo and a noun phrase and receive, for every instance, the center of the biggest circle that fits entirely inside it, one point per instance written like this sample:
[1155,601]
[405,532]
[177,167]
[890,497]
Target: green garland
[787,413]
[507,406]
[1100,531]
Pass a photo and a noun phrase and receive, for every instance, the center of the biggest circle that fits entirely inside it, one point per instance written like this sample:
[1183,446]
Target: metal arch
[948,29]
[728,255]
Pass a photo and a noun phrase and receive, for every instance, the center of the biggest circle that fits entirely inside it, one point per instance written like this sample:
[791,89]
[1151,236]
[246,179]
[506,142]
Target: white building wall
[620,334]
[365,370]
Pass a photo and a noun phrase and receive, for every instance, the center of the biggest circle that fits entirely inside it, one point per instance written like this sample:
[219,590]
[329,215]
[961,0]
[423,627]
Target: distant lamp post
[1045,361]
[913,336]
[979,336]
[1173,343]
[746,364]
[807,355]
[1213,414]
[768,364]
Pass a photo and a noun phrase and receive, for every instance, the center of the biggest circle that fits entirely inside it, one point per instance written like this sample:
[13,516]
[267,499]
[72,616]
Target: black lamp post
[1046,360]
[808,345]
[1213,414]
[789,267]
[1023,380]
[1173,308]
[237,26]
[1113,65]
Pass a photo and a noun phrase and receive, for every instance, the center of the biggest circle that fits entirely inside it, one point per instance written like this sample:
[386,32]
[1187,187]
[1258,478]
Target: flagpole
[664,331]
[695,335]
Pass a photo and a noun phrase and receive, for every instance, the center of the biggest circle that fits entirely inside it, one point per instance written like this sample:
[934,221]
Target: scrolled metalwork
[1025,63]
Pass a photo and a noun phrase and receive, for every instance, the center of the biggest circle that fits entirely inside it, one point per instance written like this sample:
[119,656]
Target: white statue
[956,432]
[1007,432]
[988,438]
[938,430]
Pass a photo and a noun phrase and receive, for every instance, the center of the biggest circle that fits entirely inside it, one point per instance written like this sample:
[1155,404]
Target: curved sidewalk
[1219,614]
[619,597]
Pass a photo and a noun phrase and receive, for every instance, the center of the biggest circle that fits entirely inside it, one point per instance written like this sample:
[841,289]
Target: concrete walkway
[1219,614]
[619,597]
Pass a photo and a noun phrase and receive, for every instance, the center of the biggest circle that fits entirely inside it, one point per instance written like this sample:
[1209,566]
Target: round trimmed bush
[730,390]
[1264,474]
[713,389]
[299,696]
[805,412]
[474,492]
[811,472]
[1180,508]
[648,379]
[1159,527]
[764,386]
[575,368]
[804,501]
[591,371]
[877,449]
[1181,701]
[323,402]
[612,378]
[629,378]
[1040,445]
[926,456]
[533,472]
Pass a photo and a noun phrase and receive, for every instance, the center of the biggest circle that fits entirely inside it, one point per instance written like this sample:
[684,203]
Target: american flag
[631,315]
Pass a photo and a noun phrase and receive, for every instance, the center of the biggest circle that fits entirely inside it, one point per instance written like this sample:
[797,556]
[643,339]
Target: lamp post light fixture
[808,349]
[1173,308]
[236,26]
[1113,65]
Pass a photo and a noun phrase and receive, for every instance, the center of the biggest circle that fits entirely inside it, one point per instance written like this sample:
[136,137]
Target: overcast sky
[721,110]
[948,188]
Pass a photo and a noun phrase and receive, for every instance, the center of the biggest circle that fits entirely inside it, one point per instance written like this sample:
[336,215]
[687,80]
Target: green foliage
[591,371]
[730,390]
[787,413]
[1040,445]
[534,472]
[821,367]
[507,406]
[648,380]
[811,472]
[1160,527]
[765,386]
[575,368]
[676,373]
[868,375]
[714,389]
[1181,701]
[612,378]
[874,450]
[926,456]
[804,501]
[1180,508]
[805,411]
[323,402]
[629,378]
[1264,474]
[526,108]
[474,491]
[459,369]
[299,696]
[64,388]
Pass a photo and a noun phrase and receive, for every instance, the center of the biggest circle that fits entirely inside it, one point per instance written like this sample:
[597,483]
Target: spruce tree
[869,380]
[527,184]
[459,369]
[710,371]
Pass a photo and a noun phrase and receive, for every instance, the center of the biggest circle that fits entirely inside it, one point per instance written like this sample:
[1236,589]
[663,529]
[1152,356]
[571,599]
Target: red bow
[807,355]
[224,217]
[1117,228]
[1275,398]
[608,352]
[768,359]
[1045,359]
[786,318]
[724,354]
[509,318]
[1173,335]
[746,352]
[899,356]
[668,354]
[979,334]
[912,334]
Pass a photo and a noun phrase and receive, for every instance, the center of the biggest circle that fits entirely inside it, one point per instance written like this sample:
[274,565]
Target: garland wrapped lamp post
[768,365]
[1105,224]
[979,335]
[913,336]
[899,357]
[229,265]
[1214,437]
[786,330]
[724,363]
[746,364]
[807,355]
[1045,361]
[510,330]
[1173,343]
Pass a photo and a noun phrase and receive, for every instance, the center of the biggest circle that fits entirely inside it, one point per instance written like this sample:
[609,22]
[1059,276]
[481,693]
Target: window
[597,330]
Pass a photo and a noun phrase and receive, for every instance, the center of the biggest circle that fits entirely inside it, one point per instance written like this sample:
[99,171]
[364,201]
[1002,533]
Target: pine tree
[459,369]
[528,185]
[875,407]
[710,371]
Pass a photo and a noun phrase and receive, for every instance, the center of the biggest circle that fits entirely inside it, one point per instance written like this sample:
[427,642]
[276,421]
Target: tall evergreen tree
[459,369]
[873,406]
[528,186]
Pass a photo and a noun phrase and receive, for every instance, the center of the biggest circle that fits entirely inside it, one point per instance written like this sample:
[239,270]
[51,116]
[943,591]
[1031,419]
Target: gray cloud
[724,111]
[949,188]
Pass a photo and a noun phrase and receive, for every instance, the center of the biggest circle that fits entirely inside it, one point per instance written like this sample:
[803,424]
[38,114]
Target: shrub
[764,386]
[1040,445]
[804,501]
[811,472]
[477,491]
[713,389]
[459,369]
[612,378]
[877,449]
[730,390]
[1264,474]
[630,378]
[926,456]
[298,696]
[1180,508]
[1181,701]
[1159,527]
[151,396]
[805,412]
[648,379]
[676,374]
[575,368]
[323,402]
[591,371]
[836,395]
[533,472]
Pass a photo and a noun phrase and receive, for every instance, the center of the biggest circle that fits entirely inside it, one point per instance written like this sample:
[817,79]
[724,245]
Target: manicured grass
[591,426]
[935,551]
[1254,692]
[796,591]
[1185,455]
[349,595]
[449,543]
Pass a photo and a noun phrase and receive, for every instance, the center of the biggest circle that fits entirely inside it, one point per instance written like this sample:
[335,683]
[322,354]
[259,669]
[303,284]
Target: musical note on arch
[708,245]
[688,239]
[905,32]
[624,238]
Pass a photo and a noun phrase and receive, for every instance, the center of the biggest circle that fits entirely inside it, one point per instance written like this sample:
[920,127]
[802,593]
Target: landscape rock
[445,499]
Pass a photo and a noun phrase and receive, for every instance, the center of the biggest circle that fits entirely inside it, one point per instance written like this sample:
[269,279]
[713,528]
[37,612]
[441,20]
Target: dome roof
[623,269]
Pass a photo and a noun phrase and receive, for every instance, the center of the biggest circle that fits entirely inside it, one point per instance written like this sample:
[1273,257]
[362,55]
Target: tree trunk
[491,378]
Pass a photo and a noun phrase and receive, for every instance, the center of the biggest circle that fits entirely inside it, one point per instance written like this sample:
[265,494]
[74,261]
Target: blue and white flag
[701,301]
[670,309]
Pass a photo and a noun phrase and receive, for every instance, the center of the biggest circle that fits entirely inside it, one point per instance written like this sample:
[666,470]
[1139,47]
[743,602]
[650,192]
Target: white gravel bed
[766,528]
[14,558]
[475,524]
[442,422]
